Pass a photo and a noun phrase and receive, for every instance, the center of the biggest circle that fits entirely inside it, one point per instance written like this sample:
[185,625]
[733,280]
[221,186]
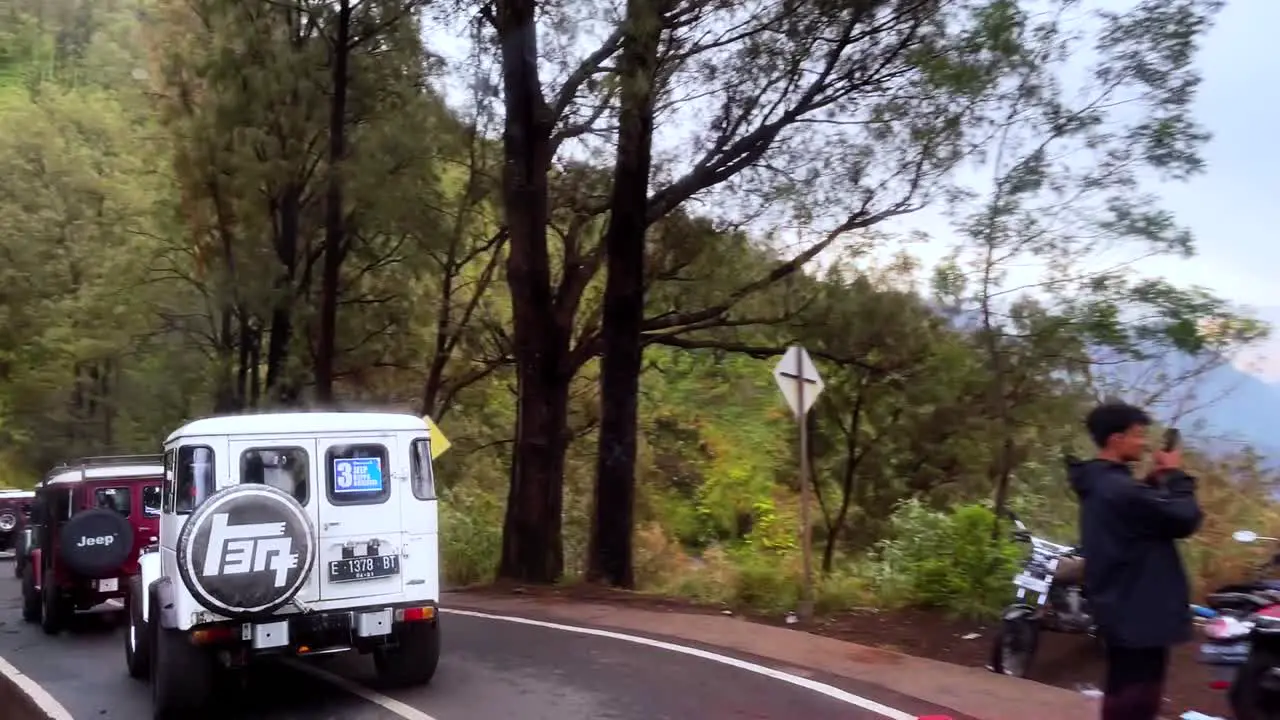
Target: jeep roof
[298,423]
[106,468]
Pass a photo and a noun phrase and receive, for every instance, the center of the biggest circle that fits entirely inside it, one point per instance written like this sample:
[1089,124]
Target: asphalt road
[489,670]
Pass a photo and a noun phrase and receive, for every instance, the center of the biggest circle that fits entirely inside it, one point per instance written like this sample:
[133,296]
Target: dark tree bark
[609,549]
[280,336]
[532,547]
[335,232]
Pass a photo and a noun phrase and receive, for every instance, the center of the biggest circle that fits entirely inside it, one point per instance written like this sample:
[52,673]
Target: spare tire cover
[95,543]
[8,520]
[246,551]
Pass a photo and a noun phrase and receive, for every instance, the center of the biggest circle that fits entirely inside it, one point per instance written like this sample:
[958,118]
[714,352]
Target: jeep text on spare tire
[291,534]
[89,519]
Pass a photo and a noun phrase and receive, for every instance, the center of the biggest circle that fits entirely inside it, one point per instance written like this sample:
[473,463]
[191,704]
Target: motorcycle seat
[1238,600]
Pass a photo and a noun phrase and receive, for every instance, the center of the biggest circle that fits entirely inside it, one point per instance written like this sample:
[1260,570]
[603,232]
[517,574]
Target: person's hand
[1171,460]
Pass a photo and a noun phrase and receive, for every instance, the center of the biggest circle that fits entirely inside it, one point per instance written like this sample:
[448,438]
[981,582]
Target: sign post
[800,383]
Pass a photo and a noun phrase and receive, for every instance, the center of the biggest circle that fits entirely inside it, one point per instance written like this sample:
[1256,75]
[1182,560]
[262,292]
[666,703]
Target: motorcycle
[1050,597]
[1242,643]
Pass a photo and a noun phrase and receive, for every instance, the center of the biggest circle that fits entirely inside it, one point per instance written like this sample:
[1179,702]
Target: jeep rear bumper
[316,633]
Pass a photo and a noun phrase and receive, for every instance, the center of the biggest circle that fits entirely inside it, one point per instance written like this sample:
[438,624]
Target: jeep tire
[412,657]
[137,641]
[95,543]
[182,674]
[54,609]
[30,599]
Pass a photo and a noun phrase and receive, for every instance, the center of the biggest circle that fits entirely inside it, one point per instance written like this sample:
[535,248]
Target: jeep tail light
[215,635]
[1225,628]
[415,614]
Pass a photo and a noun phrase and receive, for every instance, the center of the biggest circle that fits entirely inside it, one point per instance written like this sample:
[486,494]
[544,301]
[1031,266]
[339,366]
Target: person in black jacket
[1134,577]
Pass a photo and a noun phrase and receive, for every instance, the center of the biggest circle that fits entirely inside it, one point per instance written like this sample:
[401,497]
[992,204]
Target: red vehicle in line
[90,519]
[15,508]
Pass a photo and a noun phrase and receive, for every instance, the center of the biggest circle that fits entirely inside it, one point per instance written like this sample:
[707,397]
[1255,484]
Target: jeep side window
[423,481]
[150,500]
[283,468]
[357,474]
[167,491]
[193,478]
[119,500]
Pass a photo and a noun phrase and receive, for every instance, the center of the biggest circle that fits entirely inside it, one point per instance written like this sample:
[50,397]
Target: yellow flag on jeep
[439,443]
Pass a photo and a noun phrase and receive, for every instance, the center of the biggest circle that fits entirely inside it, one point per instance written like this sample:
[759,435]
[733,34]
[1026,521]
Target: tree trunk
[281,333]
[532,548]
[609,549]
[335,234]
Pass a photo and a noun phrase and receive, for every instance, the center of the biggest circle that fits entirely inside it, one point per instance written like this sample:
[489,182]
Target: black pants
[1135,682]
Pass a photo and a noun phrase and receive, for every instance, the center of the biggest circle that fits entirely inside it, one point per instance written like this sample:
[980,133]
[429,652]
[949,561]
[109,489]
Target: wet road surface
[489,670]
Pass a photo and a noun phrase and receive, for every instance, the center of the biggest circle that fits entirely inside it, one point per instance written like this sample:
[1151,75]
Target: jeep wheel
[30,599]
[181,673]
[412,660]
[53,609]
[95,543]
[137,643]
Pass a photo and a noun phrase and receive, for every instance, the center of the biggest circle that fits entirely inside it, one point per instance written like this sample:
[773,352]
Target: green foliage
[947,559]
[163,222]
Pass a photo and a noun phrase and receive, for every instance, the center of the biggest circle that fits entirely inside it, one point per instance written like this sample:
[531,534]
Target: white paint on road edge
[812,685]
[407,712]
[32,689]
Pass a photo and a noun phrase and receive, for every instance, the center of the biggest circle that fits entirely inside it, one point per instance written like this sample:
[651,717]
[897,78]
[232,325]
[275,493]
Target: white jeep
[288,534]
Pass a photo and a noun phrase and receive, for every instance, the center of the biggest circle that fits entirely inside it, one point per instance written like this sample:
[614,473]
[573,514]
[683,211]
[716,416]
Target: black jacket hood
[1085,474]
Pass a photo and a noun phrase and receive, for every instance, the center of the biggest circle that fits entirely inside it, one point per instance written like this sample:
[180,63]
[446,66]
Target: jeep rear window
[117,499]
[151,500]
[424,482]
[283,468]
[357,474]
[193,479]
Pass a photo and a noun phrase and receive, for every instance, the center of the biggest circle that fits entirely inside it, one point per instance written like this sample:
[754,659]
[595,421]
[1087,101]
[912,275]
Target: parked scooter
[1050,597]
[1242,644]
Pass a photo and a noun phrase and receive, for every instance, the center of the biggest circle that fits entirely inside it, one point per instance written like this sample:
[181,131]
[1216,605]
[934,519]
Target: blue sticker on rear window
[357,475]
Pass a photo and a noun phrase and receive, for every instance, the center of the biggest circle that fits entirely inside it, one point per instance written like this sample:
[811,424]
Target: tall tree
[612,518]
[1067,166]
[888,91]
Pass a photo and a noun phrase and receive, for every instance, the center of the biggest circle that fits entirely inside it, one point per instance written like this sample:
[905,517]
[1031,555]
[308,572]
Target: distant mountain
[1241,400]
[1249,411]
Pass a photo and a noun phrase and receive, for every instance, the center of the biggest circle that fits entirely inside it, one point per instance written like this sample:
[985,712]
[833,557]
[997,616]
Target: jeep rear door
[362,484]
[288,464]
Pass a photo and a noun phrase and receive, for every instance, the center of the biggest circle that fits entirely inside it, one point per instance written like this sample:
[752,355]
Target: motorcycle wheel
[1249,701]
[1014,647]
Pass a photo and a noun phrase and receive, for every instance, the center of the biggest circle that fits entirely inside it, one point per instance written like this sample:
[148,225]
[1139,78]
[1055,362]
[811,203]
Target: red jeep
[90,519]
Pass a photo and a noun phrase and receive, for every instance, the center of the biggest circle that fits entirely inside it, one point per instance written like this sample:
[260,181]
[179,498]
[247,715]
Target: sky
[1239,102]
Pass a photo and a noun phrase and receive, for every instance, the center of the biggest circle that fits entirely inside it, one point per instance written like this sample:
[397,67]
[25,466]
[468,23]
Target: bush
[946,560]
[470,537]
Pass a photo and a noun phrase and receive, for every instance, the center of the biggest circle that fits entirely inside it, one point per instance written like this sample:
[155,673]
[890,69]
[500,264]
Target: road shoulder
[23,699]
[967,691]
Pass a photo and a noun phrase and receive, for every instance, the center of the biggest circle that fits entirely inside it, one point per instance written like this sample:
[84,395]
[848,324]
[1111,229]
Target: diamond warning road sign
[798,379]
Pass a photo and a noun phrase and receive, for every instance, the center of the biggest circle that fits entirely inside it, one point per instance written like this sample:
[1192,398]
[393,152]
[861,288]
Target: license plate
[1224,653]
[369,567]
[1033,584]
[109,585]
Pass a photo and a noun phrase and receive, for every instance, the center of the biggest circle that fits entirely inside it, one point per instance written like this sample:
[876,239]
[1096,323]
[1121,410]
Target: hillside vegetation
[234,205]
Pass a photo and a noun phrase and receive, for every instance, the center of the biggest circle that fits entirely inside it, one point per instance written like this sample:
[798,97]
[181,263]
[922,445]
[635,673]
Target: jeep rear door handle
[331,525]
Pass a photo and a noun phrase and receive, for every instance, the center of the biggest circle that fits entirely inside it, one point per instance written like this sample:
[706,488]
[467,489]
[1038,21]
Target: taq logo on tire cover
[246,551]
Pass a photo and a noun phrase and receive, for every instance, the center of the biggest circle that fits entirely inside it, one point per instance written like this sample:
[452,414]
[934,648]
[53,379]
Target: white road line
[407,712]
[32,689]
[812,685]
